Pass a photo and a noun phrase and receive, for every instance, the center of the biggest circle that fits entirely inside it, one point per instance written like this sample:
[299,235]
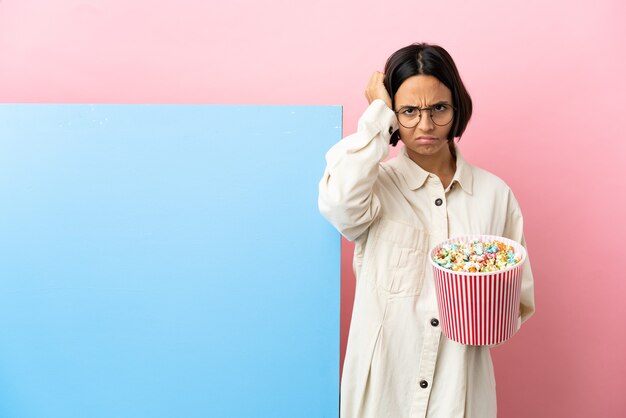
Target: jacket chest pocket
[397,258]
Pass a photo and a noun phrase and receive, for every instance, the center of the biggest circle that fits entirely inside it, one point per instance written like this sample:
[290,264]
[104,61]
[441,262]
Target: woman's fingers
[376,89]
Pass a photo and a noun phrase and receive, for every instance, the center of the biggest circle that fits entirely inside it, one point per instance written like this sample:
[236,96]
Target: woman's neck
[443,164]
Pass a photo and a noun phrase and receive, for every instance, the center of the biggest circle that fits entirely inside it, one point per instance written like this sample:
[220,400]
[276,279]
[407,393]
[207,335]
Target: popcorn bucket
[479,308]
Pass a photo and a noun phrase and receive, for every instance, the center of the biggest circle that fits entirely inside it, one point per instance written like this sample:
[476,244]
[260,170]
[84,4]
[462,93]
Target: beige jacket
[398,364]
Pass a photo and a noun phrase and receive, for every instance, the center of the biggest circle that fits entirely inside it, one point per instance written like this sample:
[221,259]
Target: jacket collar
[416,176]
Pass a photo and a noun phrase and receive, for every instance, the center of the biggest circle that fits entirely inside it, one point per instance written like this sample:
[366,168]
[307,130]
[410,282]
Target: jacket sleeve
[514,230]
[346,192]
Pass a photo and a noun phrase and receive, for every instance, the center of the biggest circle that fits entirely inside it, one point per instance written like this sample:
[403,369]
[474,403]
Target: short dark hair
[426,59]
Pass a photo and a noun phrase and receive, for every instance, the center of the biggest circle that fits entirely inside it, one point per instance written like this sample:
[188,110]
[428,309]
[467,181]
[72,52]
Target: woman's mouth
[426,139]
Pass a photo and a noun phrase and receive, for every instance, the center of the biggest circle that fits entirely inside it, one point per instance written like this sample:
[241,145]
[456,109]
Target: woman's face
[426,138]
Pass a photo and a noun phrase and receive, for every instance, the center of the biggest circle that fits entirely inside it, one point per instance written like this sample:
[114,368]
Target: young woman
[398,364]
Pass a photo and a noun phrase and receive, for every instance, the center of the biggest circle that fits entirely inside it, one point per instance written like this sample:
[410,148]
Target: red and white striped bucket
[479,308]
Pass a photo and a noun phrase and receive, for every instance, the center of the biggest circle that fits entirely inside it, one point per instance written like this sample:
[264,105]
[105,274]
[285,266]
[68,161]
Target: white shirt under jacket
[388,209]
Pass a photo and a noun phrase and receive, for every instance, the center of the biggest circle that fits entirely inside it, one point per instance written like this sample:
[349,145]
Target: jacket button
[438,202]
[434,322]
[423,384]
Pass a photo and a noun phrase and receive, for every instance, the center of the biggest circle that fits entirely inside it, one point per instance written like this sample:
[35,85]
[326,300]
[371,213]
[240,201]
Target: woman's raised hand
[376,89]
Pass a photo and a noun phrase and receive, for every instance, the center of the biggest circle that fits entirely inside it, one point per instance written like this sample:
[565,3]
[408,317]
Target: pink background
[547,79]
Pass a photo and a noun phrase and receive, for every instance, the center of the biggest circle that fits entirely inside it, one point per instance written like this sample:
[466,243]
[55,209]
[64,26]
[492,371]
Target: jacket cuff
[378,118]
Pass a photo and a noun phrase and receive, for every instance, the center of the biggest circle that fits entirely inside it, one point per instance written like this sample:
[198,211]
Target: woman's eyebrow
[434,104]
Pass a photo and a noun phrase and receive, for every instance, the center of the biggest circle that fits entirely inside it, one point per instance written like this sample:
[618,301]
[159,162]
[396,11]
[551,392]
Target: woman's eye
[440,107]
[409,110]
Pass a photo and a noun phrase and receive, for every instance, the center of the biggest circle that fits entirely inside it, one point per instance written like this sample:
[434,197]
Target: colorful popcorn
[476,256]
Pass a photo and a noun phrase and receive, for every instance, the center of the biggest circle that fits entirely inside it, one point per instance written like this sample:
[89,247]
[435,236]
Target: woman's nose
[425,123]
